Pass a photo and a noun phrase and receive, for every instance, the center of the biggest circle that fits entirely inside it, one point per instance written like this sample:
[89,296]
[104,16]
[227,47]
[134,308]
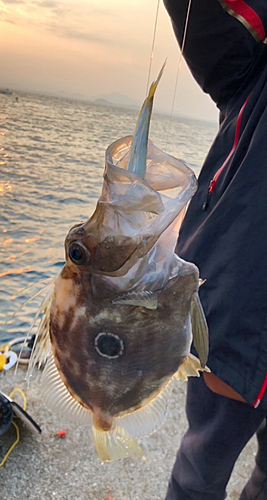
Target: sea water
[52,153]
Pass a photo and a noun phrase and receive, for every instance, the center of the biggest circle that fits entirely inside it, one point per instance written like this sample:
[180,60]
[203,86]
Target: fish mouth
[143,191]
[138,202]
[131,213]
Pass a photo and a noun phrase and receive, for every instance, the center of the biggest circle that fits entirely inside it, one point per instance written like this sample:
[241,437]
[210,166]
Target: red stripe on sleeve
[240,8]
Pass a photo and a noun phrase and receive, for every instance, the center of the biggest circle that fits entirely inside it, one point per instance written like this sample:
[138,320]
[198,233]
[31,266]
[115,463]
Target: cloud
[79,34]
[13,2]
[50,4]
[101,12]
[10,21]
[79,21]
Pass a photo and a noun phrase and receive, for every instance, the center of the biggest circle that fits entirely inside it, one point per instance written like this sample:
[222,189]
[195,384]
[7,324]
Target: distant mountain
[113,99]
[104,102]
[116,99]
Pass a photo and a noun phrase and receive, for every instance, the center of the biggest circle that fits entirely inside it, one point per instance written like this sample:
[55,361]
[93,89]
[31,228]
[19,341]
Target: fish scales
[120,312]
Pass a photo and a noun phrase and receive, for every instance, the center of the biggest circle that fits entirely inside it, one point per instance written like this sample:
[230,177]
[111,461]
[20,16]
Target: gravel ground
[47,467]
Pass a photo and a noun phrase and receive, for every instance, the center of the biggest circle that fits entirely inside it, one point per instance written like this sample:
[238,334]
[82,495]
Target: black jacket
[225,229]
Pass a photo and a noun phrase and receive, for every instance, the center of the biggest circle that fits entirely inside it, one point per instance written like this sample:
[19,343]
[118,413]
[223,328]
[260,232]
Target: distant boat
[6,92]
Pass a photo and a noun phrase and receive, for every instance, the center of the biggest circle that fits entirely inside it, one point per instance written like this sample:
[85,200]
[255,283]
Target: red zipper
[212,187]
[261,393]
[213,182]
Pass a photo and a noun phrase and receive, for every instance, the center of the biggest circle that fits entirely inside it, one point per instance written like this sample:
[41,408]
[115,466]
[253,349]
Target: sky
[90,48]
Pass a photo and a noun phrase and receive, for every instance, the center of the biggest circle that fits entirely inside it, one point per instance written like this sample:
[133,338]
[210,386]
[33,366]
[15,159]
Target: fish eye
[108,345]
[78,254]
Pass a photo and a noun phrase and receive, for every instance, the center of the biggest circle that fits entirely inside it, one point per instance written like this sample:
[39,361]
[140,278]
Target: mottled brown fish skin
[151,344]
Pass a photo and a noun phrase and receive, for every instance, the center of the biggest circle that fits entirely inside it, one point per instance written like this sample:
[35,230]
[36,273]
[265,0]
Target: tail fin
[115,444]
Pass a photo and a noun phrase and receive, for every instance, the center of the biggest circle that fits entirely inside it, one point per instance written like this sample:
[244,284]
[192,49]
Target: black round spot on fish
[78,253]
[108,345]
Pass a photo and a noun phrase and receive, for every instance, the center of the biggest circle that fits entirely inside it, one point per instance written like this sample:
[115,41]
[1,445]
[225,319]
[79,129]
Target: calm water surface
[51,166]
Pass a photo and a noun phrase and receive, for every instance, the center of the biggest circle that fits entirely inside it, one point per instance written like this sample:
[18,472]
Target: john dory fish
[125,307]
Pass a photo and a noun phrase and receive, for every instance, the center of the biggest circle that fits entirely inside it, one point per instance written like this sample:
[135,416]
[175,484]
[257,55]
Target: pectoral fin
[199,330]
[141,299]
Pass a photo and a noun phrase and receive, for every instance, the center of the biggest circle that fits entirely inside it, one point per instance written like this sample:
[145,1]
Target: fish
[120,318]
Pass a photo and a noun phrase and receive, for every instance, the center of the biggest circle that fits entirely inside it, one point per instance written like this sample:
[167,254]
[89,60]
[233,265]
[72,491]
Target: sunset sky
[91,48]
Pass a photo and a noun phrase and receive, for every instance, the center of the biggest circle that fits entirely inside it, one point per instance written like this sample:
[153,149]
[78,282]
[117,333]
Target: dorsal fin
[41,346]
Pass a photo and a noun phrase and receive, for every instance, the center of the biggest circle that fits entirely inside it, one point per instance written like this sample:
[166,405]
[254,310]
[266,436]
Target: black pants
[219,429]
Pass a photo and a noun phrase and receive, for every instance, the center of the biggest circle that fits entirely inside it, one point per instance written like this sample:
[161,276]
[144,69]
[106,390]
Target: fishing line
[46,280]
[50,281]
[152,46]
[32,285]
[179,61]
[179,67]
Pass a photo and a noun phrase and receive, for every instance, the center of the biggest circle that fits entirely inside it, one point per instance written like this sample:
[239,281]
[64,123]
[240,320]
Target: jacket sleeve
[225,42]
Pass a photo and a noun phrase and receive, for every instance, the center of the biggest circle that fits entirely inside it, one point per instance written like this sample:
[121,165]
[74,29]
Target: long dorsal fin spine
[138,151]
